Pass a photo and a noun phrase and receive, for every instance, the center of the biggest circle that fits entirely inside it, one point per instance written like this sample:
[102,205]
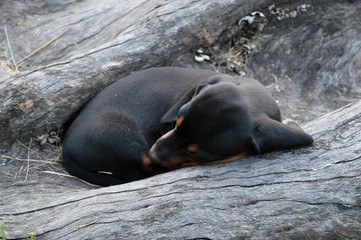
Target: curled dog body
[166,118]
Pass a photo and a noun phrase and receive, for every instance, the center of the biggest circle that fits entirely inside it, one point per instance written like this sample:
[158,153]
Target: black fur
[109,140]
[226,119]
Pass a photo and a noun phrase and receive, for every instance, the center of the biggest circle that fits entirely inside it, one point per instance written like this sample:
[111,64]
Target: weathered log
[309,193]
[106,41]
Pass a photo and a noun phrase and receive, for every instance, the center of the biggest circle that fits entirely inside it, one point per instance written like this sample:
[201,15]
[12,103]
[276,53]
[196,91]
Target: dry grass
[12,66]
[42,47]
[32,165]
[8,67]
[10,50]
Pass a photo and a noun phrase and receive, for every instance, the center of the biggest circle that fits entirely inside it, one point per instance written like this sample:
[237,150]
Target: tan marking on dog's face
[147,163]
[192,148]
[178,162]
[182,161]
[179,121]
[230,159]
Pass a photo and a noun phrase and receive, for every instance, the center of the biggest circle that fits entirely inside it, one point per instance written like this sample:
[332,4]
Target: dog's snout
[155,150]
[153,155]
[164,136]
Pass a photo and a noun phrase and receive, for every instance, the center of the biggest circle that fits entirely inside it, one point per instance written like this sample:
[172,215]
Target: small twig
[11,52]
[28,167]
[22,144]
[50,161]
[8,174]
[43,46]
[70,176]
[57,173]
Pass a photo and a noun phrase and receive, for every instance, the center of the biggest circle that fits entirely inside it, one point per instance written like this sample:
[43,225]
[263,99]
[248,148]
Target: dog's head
[223,121]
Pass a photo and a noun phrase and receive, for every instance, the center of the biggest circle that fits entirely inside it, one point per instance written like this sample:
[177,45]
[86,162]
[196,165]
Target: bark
[309,193]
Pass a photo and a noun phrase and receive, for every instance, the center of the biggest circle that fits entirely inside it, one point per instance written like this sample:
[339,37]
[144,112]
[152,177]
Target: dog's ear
[172,114]
[270,135]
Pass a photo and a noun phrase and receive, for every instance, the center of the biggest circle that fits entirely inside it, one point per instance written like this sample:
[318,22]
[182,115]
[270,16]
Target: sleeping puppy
[197,116]
[222,122]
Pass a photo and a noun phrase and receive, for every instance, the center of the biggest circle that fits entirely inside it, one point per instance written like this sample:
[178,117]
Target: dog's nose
[158,145]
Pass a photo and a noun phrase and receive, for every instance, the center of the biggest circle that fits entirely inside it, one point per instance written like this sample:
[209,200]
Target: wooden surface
[309,193]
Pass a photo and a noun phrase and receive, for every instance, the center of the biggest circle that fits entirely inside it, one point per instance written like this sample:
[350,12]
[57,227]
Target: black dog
[217,117]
